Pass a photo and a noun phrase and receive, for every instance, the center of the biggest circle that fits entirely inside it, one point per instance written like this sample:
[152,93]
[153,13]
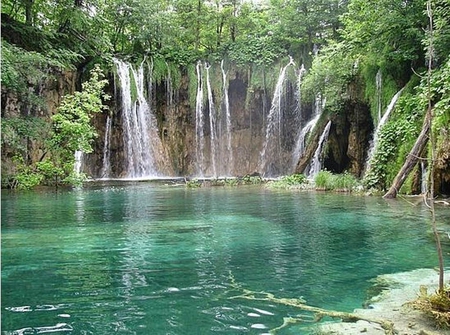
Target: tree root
[319,313]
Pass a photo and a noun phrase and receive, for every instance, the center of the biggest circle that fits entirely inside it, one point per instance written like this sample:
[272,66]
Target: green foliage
[289,182]
[26,176]
[194,183]
[21,69]
[436,306]
[330,74]
[325,180]
[345,182]
[440,94]
[72,130]
[16,131]
[252,180]
[386,30]
[259,51]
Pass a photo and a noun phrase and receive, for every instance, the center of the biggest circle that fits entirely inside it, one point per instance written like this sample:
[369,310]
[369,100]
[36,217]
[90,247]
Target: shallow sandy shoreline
[392,305]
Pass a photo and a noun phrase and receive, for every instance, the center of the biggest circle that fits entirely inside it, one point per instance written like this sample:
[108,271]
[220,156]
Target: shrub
[325,180]
[291,181]
[194,183]
[345,182]
[436,305]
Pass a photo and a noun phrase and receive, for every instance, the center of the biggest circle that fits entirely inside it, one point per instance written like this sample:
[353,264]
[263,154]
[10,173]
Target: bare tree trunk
[413,157]
[433,156]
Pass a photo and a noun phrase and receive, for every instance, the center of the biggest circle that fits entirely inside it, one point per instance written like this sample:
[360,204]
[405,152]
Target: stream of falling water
[106,169]
[301,139]
[228,165]
[270,153]
[381,123]
[212,122]
[199,124]
[78,162]
[316,164]
[140,133]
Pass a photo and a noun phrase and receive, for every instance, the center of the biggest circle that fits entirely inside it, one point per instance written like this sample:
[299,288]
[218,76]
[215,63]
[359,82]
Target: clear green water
[152,259]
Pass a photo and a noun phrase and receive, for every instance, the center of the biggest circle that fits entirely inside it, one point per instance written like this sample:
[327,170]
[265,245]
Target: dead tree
[413,156]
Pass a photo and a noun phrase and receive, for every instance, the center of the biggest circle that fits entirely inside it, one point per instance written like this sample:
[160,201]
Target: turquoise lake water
[147,258]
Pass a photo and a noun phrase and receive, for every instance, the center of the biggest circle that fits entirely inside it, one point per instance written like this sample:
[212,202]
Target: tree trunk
[29,12]
[412,158]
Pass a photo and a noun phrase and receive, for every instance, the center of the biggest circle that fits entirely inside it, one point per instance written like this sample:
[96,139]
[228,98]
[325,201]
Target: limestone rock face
[50,91]
[175,112]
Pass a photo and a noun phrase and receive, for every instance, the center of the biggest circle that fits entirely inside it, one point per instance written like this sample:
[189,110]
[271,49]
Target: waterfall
[301,139]
[270,153]
[424,177]
[212,121]
[106,169]
[378,83]
[199,123]
[78,162]
[316,164]
[226,106]
[299,146]
[140,133]
[381,123]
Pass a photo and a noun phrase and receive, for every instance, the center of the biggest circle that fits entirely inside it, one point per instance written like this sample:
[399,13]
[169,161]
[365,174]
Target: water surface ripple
[154,259]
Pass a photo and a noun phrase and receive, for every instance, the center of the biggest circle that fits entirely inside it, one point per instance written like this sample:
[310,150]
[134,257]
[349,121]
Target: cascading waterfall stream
[78,162]
[316,164]
[300,143]
[299,147]
[226,105]
[379,87]
[139,125]
[381,123]
[106,169]
[424,177]
[199,123]
[272,143]
[212,122]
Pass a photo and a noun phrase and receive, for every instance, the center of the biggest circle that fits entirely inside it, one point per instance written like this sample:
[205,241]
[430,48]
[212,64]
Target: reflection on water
[140,259]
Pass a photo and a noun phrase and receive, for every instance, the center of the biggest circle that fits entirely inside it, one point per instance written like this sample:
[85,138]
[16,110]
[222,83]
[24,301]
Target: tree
[72,128]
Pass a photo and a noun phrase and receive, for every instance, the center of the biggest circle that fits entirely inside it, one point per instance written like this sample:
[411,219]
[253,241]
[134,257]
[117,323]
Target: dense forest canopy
[341,43]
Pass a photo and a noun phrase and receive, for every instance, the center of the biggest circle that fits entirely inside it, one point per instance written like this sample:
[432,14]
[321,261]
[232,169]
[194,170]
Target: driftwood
[412,158]
[319,313]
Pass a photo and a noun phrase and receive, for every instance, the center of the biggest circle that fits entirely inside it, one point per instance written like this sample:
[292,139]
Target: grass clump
[194,183]
[345,182]
[252,180]
[289,182]
[325,180]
